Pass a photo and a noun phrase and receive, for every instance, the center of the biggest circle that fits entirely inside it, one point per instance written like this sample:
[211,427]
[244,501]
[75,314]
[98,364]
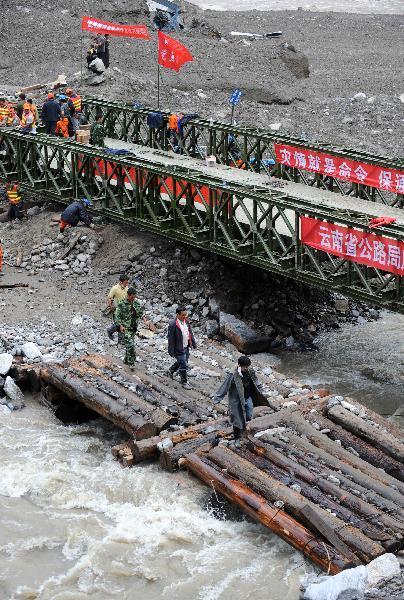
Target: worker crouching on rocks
[244,392]
[76,213]
[180,341]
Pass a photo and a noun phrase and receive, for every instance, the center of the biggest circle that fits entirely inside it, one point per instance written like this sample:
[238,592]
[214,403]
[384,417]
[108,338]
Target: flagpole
[158,83]
[81,60]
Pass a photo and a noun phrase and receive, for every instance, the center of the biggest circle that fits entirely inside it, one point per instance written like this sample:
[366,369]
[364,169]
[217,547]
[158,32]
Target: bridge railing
[259,226]
[252,149]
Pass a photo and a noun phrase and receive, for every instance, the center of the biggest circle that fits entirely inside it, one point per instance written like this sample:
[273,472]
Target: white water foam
[74,524]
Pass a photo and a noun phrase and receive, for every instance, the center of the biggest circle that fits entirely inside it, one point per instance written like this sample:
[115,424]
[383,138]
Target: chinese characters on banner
[172,54]
[116,29]
[339,167]
[358,246]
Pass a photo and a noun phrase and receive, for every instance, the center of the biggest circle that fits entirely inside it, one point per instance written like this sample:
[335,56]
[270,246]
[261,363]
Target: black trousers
[15,212]
[50,127]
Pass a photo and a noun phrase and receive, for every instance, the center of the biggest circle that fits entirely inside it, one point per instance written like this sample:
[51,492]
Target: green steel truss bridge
[241,214]
[248,147]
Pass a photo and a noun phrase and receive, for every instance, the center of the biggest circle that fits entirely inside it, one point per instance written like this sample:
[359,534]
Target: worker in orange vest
[173,129]
[62,126]
[4,111]
[15,201]
[74,104]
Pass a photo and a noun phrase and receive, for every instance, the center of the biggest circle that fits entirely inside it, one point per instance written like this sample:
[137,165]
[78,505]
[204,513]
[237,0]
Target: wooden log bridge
[325,474]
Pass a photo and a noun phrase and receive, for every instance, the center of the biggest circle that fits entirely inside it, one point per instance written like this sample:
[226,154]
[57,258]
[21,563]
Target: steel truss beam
[257,226]
[244,147]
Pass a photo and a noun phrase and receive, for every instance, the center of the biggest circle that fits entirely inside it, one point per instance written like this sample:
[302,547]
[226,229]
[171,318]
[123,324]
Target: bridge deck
[313,196]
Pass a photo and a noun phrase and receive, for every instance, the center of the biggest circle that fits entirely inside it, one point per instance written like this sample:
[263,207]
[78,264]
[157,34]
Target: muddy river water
[75,525]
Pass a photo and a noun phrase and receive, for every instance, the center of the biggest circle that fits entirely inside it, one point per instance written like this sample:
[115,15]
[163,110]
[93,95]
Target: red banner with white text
[386,254]
[116,29]
[383,178]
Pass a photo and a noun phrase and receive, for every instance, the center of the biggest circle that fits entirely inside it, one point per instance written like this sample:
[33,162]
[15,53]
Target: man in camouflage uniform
[98,133]
[127,316]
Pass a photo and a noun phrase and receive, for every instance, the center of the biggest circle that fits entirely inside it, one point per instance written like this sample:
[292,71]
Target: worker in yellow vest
[15,201]
[28,120]
[4,111]
[74,104]
[12,119]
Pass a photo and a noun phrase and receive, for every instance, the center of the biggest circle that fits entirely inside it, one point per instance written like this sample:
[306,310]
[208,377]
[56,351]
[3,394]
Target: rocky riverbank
[281,313]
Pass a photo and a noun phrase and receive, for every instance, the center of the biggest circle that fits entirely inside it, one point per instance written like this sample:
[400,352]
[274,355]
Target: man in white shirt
[180,340]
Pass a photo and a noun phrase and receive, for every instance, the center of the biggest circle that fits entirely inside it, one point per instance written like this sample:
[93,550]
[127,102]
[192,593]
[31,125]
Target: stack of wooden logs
[135,402]
[325,474]
[335,468]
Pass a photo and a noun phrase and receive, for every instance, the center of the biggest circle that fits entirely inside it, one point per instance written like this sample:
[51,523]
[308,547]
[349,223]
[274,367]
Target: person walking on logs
[127,317]
[244,392]
[117,293]
[180,341]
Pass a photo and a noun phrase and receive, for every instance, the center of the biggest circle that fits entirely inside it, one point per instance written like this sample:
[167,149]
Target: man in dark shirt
[20,105]
[244,392]
[51,114]
[74,213]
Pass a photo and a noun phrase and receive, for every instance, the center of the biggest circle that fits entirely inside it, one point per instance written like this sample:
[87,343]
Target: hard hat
[51,95]
[27,106]
[86,201]
[62,97]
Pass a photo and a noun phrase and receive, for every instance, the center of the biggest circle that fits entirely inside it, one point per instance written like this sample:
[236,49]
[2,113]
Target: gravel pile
[50,254]
[291,314]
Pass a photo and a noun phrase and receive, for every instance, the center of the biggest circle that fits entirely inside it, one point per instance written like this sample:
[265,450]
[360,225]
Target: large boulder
[245,339]
[5,363]
[14,394]
[352,584]
[347,585]
[31,350]
[212,327]
[382,568]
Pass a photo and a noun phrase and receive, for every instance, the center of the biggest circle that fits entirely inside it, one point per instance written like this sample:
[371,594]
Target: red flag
[117,29]
[172,54]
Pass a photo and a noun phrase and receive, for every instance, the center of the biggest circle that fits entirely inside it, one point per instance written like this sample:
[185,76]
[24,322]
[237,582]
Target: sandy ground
[345,54]
[345,6]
